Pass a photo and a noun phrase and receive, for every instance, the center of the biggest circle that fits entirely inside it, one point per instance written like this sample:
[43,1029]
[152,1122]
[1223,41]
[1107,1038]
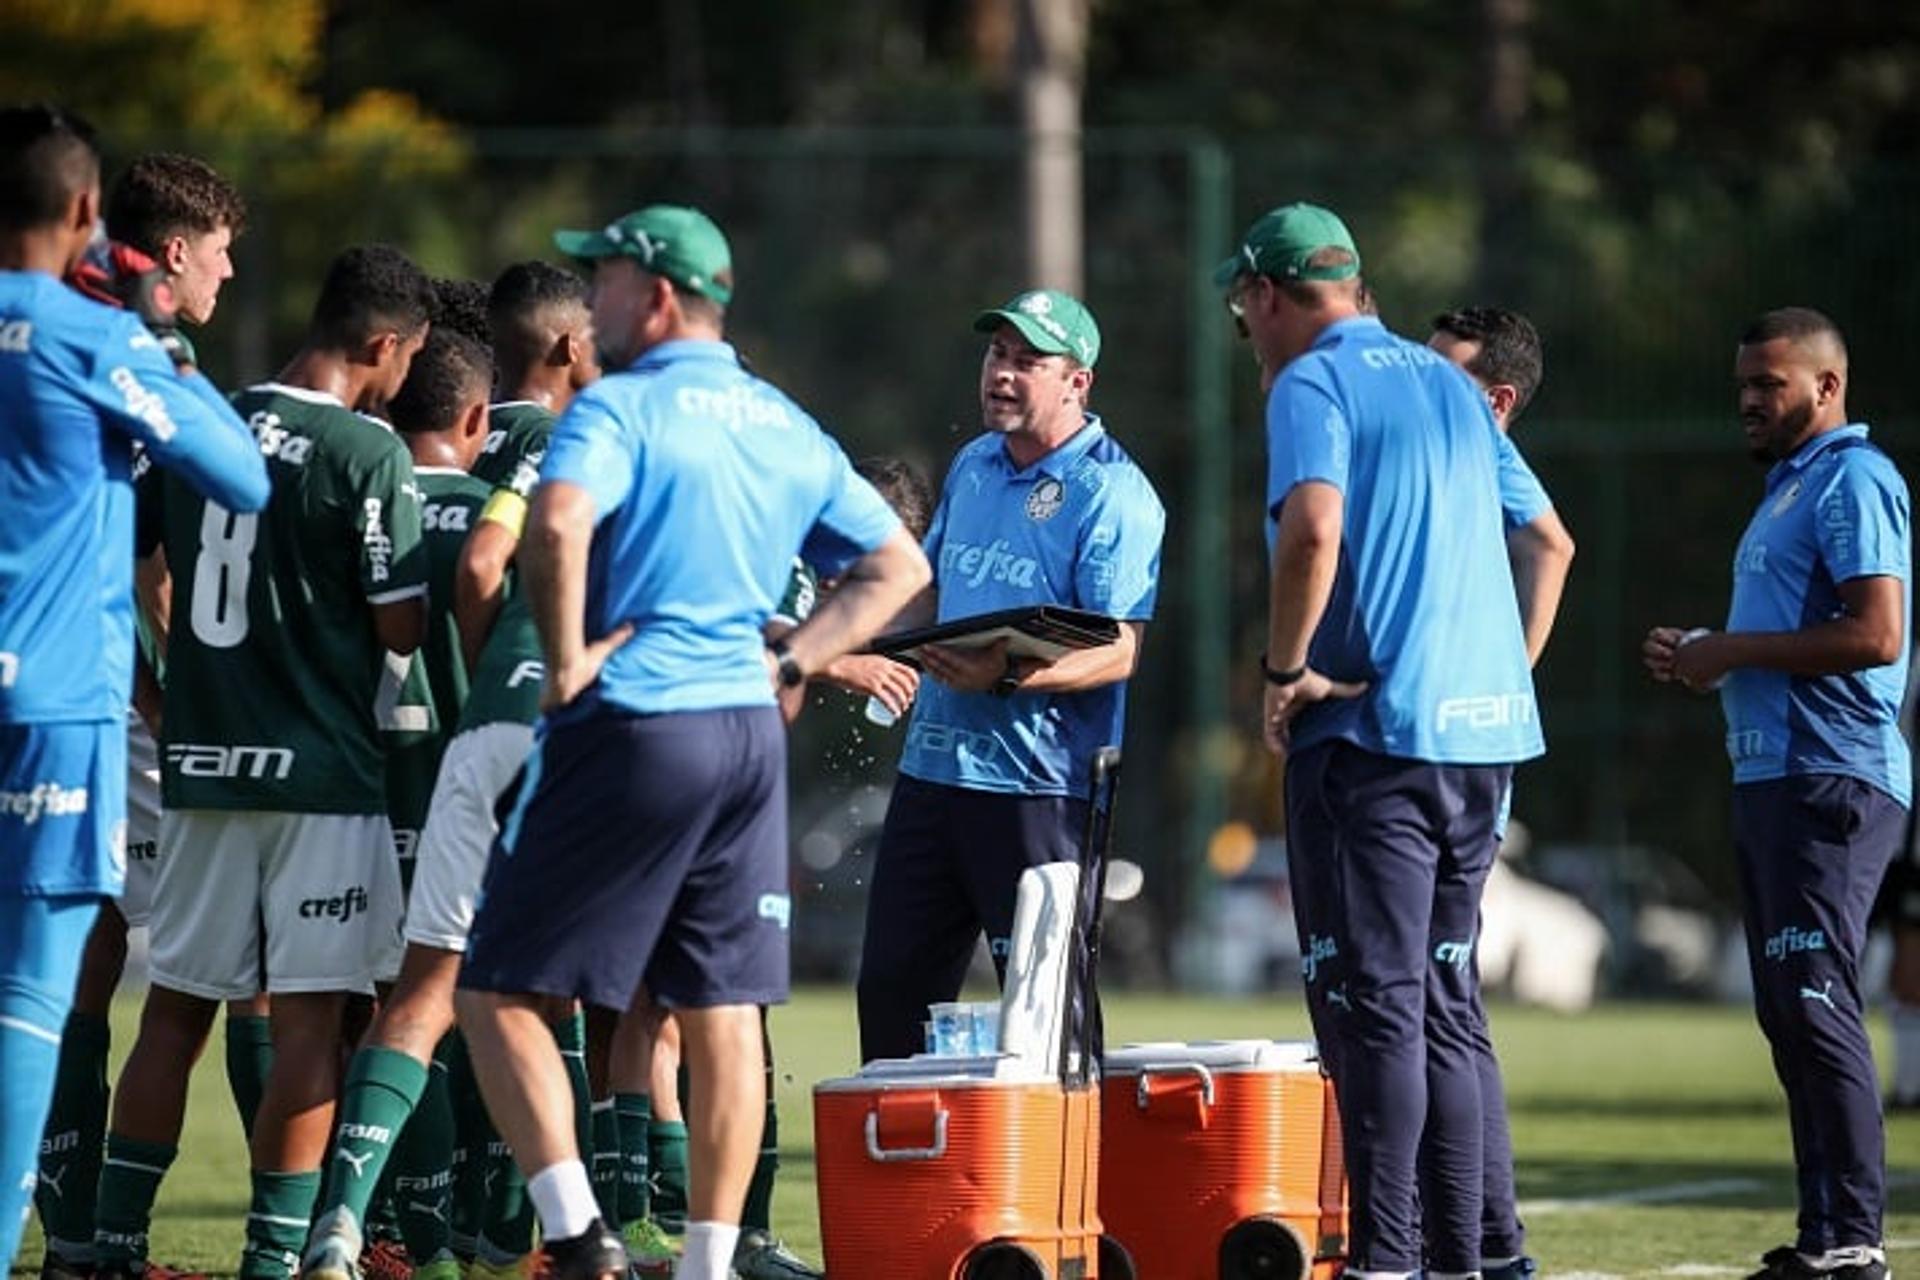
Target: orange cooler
[1222,1161]
[938,1170]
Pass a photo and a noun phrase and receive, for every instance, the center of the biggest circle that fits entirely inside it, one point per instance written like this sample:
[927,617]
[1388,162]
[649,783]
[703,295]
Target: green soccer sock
[249,1060]
[129,1180]
[757,1215]
[423,1172]
[633,1112]
[472,1130]
[506,1232]
[571,1035]
[277,1223]
[381,1090]
[667,1162]
[608,1163]
[70,1146]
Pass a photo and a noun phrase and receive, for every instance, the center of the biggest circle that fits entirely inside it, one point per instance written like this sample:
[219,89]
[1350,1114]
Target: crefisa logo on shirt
[1045,499]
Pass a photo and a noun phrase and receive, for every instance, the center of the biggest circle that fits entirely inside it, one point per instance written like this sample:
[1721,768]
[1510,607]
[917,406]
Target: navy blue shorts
[642,850]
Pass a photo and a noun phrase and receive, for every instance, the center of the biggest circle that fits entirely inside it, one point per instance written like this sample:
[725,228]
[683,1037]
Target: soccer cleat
[156,1271]
[594,1254]
[509,1269]
[386,1260]
[55,1267]
[649,1249]
[447,1268]
[333,1251]
[760,1255]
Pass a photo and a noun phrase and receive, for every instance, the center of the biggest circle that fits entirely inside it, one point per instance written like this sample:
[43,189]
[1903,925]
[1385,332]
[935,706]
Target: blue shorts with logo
[642,850]
[63,807]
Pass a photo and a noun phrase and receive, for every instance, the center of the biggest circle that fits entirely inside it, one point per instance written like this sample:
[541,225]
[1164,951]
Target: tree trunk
[1508,77]
[1050,61]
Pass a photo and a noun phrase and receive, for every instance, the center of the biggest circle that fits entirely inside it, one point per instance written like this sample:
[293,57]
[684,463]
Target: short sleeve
[1116,570]
[592,448]
[1523,499]
[393,559]
[179,418]
[1307,439]
[1861,524]
[853,520]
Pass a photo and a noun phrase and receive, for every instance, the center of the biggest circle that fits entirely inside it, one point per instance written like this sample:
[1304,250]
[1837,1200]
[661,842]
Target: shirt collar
[1058,462]
[1804,456]
[679,349]
[1352,326]
[299,393]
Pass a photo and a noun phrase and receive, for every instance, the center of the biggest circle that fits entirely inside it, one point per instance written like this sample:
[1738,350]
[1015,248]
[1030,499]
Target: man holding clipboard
[1043,508]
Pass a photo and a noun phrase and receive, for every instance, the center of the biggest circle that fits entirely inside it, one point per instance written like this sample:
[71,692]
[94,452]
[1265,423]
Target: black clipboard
[1037,631]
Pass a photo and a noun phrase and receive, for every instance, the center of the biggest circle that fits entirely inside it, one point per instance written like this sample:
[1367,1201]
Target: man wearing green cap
[1043,507]
[644,859]
[1398,689]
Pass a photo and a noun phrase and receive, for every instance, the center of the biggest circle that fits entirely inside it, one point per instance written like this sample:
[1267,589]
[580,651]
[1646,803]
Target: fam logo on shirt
[1045,499]
[1785,501]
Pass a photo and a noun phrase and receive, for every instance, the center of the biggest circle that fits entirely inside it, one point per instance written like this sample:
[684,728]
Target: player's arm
[147,698]
[553,560]
[1871,633]
[480,576]
[1306,556]
[393,555]
[1082,669]
[870,593]
[1541,554]
[185,424]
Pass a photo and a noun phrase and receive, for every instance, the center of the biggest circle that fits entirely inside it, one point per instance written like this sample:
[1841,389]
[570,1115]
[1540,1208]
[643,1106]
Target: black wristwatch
[1281,679]
[1008,683]
[791,676]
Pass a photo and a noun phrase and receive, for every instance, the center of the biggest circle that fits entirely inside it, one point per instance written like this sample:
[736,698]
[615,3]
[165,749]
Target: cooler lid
[943,1070]
[1215,1055]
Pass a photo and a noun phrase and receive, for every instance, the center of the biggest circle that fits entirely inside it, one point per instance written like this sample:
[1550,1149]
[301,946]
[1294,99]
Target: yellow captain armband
[508,508]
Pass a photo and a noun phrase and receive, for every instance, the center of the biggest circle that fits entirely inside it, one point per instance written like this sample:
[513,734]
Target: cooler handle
[1143,1095]
[882,1155]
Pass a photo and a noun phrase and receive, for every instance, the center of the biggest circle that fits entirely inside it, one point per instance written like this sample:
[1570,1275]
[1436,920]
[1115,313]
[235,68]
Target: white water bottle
[879,713]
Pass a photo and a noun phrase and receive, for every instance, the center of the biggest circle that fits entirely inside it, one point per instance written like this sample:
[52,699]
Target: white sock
[709,1254]
[1379,1275]
[563,1197]
[1906,1051]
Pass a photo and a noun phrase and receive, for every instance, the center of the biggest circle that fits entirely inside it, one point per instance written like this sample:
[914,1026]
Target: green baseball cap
[669,240]
[1054,322]
[1280,242]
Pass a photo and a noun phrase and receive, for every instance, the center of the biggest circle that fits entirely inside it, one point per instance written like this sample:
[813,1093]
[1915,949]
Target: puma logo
[1338,995]
[1824,995]
[437,1210]
[50,1179]
[359,1162]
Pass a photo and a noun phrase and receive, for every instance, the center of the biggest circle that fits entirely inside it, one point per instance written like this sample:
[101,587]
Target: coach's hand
[1285,701]
[565,682]
[894,683]
[1700,660]
[967,670]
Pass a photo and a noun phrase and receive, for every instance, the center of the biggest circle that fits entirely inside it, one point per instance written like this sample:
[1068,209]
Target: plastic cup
[926,1029]
[880,713]
[986,1027]
[952,1029]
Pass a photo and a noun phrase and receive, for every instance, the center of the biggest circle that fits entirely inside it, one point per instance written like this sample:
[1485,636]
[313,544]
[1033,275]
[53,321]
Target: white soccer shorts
[251,901]
[451,860]
[143,823]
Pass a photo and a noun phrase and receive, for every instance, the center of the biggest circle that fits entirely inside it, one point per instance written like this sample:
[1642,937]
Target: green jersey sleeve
[393,559]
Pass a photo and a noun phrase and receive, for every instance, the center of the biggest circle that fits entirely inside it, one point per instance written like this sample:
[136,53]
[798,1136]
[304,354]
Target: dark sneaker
[55,1267]
[1856,1263]
[1521,1268]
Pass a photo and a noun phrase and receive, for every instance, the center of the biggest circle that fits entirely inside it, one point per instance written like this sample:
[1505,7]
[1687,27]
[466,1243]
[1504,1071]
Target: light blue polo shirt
[706,483]
[1423,606]
[1834,511]
[1080,527]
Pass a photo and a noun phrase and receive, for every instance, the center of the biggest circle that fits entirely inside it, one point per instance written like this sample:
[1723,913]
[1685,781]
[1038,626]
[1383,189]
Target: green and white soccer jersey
[421,719]
[517,430]
[273,669]
[506,681]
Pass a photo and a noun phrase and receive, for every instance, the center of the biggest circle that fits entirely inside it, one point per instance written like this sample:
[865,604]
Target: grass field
[1652,1140]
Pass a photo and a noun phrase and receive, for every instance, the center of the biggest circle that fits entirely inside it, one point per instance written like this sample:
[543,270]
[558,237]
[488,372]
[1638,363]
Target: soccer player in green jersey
[441,413]
[277,863]
[182,214]
[544,354]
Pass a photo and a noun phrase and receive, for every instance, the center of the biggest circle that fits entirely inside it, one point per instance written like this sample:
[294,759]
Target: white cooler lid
[947,1071]
[1215,1055]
